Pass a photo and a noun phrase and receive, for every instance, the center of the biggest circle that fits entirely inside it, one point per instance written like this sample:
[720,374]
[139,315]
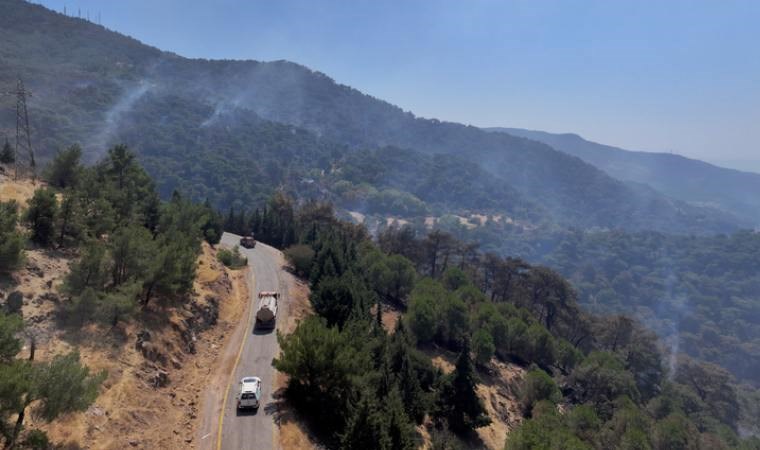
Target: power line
[23,131]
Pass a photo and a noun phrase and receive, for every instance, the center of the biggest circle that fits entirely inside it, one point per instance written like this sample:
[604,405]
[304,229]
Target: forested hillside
[272,143]
[686,179]
[701,291]
[593,382]
[125,259]
[99,88]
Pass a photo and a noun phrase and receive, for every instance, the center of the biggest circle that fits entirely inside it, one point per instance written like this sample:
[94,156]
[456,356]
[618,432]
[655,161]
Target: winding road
[228,428]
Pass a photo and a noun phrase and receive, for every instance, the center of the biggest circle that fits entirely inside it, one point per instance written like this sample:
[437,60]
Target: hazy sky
[680,76]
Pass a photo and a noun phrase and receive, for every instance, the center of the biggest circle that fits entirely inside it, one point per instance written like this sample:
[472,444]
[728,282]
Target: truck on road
[248,241]
[266,310]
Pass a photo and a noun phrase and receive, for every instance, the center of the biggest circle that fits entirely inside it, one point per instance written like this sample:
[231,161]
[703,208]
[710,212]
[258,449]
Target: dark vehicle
[247,241]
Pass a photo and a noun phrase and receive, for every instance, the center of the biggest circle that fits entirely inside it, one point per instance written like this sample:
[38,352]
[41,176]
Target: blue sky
[680,76]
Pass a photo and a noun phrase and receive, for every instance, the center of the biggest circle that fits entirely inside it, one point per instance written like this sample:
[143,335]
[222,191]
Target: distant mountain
[226,129]
[686,179]
[742,165]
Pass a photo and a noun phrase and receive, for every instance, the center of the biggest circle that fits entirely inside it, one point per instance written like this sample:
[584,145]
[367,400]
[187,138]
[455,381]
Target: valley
[443,285]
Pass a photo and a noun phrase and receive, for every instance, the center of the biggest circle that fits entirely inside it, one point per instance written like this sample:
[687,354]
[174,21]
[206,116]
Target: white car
[250,393]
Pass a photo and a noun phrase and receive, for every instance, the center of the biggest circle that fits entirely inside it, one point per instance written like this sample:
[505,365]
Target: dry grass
[442,359]
[130,412]
[499,393]
[20,191]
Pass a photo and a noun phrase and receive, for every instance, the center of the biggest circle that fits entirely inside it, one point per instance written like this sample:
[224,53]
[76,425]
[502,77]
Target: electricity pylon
[23,132]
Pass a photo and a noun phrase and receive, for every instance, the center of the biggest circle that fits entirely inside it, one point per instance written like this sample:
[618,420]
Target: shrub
[483,346]
[232,258]
[7,155]
[41,214]
[14,303]
[65,169]
[538,386]
[302,257]
[11,241]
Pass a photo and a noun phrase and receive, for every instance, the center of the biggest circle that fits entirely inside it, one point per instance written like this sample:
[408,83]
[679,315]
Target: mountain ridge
[688,179]
[91,80]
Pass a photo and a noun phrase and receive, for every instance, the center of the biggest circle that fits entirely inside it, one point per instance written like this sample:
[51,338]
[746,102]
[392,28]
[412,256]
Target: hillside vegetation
[124,260]
[592,381]
[213,120]
[686,179]
[274,145]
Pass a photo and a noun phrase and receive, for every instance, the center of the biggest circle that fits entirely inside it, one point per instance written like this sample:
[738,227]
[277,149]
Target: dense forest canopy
[233,118]
[612,376]
[698,292]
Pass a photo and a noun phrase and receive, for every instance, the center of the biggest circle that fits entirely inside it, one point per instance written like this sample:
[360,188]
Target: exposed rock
[160,378]
[142,336]
[36,319]
[50,297]
[96,411]
[152,352]
[35,270]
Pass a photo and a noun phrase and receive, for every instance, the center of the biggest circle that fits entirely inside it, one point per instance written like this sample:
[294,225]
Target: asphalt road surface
[254,429]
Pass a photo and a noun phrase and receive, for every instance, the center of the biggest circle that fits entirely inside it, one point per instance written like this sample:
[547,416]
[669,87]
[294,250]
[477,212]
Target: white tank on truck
[266,310]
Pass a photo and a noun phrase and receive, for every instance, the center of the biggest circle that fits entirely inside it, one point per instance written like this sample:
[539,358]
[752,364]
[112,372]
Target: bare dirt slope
[151,396]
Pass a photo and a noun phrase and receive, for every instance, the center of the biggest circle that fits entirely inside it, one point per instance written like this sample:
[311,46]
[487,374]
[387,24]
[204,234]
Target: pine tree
[483,346]
[460,404]
[213,225]
[411,391]
[379,317]
[56,387]
[338,299]
[65,169]
[229,222]
[7,155]
[11,240]
[41,215]
[10,326]
[366,428]
[88,272]
[400,428]
[256,222]
[70,223]
[415,400]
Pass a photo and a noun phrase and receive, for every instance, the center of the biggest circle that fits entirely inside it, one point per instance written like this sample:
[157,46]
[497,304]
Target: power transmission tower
[23,132]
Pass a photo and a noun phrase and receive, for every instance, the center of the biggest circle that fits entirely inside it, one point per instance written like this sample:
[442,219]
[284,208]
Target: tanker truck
[266,310]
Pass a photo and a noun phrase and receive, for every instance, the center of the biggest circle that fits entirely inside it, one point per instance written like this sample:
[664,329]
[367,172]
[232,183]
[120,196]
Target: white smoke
[99,141]
[677,306]
[222,108]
